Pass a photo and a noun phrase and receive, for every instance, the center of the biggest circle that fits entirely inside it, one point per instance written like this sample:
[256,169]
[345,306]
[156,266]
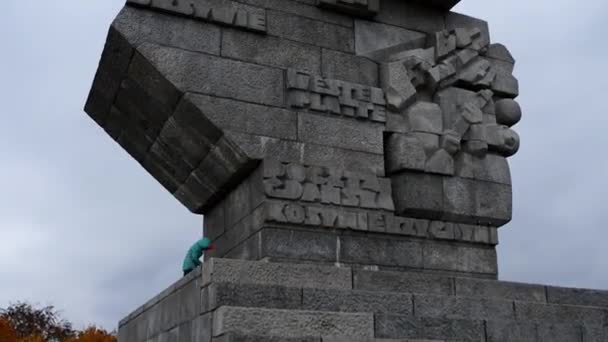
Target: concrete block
[402,282]
[306,8]
[355,161]
[290,323]
[425,117]
[470,287]
[253,296]
[214,223]
[341,133]
[199,73]
[248,338]
[462,308]
[559,333]
[309,31]
[500,52]
[201,328]
[272,51]
[264,273]
[298,245]
[494,203]
[573,296]
[411,16]
[551,313]
[441,162]
[257,146]
[404,152]
[141,108]
[141,26]
[113,66]
[395,80]
[502,140]
[451,100]
[460,201]
[357,301]
[367,9]
[400,326]
[456,20]
[418,195]
[348,67]
[378,41]
[455,258]
[505,85]
[186,142]
[510,331]
[238,204]
[380,251]
[508,112]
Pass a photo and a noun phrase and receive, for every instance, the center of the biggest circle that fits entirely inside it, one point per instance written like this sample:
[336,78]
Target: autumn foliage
[22,322]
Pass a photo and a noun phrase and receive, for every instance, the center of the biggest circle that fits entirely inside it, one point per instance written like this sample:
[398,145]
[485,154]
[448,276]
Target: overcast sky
[84,227]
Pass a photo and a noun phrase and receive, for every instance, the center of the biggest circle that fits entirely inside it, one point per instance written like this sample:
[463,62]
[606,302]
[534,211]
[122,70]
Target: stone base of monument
[237,300]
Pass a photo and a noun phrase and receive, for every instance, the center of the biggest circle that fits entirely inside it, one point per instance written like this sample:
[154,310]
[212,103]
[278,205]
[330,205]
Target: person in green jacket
[191,261]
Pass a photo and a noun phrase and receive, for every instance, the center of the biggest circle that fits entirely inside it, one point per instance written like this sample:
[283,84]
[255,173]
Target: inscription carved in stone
[335,97]
[329,186]
[232,16]
[365,8]
[328,217]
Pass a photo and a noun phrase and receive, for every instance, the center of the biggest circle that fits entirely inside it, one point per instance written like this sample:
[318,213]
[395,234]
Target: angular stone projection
[351,161]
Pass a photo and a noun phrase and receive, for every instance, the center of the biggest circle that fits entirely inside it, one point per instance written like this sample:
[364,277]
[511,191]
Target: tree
[7,332]
[36,324]
[93,334]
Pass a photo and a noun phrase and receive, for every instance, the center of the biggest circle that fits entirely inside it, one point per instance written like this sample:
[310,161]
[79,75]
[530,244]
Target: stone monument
[349,157]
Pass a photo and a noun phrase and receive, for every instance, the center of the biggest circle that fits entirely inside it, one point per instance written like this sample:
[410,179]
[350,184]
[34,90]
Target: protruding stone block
[290,323]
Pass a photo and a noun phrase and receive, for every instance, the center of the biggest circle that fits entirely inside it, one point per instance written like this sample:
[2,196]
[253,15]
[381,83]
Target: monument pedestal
[237,300]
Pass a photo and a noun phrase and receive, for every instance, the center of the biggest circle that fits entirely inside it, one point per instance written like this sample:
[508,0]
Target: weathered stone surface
[456,20]
[411,16]
[306,8]
[367,8]
[309,31]
[246,117]
[500,52]
[294,275]
[551,313]
[402,282]
[270,51]
[460,259]
[341,133]
[248,338]
[418,195]
[510,331]
[154,27]
[573,296]
[348,67]
[290,323]
[373,39]
[463,308]
[504,290]
[252,296]
[298,245]
[357,301]
[380,251]
[508,112]
[405,152]
[399,326]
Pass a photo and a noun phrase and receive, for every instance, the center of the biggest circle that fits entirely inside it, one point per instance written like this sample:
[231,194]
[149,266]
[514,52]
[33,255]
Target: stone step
[317,276]
[290,323]
[241,338]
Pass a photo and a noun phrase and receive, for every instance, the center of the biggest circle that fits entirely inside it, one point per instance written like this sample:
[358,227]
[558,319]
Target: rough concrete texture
[382,306]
